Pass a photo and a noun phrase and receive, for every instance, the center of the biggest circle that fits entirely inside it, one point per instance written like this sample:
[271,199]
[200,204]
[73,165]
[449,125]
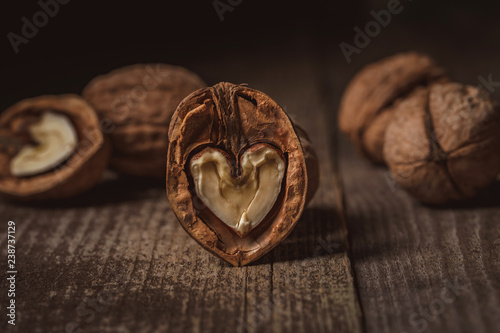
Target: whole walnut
[442,143]
[135,104]
[372,95]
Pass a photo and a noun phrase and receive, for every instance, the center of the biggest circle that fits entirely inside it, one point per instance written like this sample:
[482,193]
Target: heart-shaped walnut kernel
[239,172]
[240,202]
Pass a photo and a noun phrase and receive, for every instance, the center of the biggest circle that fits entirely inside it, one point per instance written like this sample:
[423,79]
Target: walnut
[135,104]
[51,147]
[239,172]
[442,143]
[372,95]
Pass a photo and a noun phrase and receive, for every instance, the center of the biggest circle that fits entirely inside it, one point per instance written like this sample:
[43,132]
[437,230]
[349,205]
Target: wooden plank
[321,278]
[421,269]
[115,259]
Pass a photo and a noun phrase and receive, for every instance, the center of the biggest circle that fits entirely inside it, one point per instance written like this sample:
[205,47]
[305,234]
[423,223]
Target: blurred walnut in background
[372,95]
[442,143]
[135,104]
[439,139]
[51,147]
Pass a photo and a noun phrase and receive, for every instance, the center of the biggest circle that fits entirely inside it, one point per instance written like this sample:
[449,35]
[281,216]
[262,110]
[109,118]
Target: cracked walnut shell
[442,143]
[239,172]
[371,98]
[51,147]
[135,104]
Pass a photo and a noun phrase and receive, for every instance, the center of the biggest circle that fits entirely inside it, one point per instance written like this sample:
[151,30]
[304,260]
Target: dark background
[87,38]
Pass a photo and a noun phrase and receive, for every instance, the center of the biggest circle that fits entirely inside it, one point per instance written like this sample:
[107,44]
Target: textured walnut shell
[442,143]
[372,95]
[79,173]
[135,104]
[235,118]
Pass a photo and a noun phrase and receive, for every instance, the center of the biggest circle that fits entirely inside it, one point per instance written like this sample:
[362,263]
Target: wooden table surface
[364,257]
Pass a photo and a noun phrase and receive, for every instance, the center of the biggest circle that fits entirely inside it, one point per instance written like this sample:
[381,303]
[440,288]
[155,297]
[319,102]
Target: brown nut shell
[442,143]
[236,119]
[135,104]
[312,165]
[370,98]
[81,171]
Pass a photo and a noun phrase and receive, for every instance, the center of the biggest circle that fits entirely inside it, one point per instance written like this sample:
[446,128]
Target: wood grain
[420,268]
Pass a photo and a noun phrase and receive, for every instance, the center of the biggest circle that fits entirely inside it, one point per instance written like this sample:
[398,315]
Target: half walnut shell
[371,98]
[239,172]
[51,147]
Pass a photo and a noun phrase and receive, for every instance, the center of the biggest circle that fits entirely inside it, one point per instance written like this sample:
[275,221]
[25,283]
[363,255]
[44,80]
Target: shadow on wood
[489,197]
[112,189]
[317,234]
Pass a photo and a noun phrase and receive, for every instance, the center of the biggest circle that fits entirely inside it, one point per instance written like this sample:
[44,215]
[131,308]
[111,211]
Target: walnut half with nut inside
[51,147]
[239,172]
